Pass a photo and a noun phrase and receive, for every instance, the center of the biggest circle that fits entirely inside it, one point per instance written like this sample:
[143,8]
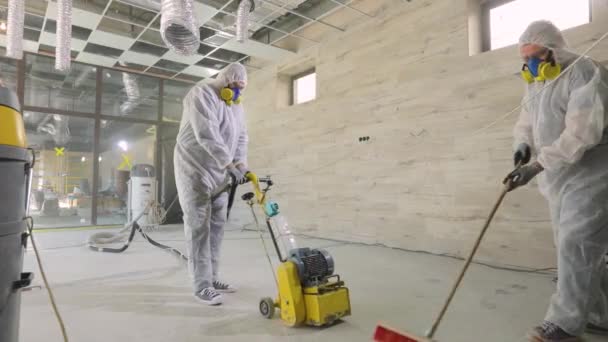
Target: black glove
[523,175]
[522,155]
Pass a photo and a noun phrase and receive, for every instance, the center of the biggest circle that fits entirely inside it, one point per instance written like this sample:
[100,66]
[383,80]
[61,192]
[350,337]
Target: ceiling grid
[125,34]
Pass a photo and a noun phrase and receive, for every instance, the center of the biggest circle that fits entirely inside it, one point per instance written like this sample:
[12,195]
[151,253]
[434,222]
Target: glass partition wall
[89,126]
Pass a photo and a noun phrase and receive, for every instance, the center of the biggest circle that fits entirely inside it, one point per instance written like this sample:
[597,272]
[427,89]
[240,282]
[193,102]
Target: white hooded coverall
[565,125]
[212,135]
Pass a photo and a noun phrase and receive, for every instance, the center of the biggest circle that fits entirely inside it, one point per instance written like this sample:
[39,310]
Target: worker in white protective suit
[564,126]
[211,145]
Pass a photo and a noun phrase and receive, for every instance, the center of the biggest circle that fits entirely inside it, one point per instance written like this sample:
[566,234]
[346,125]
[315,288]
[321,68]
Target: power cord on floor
[549,271]
[30,229]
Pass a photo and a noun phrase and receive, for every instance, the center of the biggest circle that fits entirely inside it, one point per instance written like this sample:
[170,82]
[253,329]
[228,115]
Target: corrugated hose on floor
[128,232]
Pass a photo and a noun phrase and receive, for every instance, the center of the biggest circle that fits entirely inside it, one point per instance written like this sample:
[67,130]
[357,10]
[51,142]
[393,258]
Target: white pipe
[178,26]
[14,30]
[242,20]
[63,43]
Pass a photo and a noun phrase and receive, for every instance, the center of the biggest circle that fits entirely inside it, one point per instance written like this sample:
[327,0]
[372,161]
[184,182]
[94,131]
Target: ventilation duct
[14,30]
[64,35]
[242,19]
[132,90]
[178,26]
[57,127]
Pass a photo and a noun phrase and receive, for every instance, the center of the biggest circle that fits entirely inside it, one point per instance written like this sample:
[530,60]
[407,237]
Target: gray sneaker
[596,330]
[209,296]
[223,287]
[549,332]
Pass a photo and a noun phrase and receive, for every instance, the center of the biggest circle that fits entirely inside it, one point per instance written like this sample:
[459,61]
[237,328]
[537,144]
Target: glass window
[508,21]
[130,95]
[63,173]
[8,73]
[305,88]
[72,90]
[122,145]
[173,95]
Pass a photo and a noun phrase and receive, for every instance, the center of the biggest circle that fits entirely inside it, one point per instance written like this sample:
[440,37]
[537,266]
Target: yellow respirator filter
[230,96]
[546,71]
[527,75]
[549,71]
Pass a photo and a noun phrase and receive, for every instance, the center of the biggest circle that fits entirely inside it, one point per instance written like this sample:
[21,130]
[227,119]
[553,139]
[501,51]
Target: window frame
[487,6]
[97,115]
[293,88]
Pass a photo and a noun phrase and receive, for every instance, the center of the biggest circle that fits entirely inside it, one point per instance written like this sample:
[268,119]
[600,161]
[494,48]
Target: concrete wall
[425,180]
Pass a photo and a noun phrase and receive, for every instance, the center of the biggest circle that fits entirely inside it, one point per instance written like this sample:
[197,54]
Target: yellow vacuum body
[12,130]
[309,292]
[15,181]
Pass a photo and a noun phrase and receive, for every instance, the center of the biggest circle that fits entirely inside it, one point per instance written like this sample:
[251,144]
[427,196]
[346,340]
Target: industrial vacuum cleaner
[309,291]
[16,163]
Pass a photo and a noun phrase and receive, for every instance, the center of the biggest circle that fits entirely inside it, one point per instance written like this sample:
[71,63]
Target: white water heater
[142,195]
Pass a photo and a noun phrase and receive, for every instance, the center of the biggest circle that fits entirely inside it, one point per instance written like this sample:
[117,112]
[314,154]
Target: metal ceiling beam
[308,18]
[281,31]
[352,8]
[310,23]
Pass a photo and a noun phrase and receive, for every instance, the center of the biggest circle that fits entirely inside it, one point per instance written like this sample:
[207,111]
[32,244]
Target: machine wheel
[267,307]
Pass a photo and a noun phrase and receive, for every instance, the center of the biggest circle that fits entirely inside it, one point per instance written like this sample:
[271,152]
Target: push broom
[386,334]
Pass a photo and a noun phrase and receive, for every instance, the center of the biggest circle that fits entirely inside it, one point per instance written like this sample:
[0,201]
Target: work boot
[596,330]
[549,332]
[209,296]
[223,287]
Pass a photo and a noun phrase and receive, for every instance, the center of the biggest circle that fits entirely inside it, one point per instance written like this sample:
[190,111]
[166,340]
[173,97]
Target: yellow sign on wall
[126,162]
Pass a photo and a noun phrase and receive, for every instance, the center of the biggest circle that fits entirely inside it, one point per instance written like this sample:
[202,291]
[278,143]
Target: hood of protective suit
[543,33]
[235,72]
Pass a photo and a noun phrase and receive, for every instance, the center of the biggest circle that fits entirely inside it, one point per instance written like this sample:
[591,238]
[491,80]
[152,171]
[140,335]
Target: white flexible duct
[64,35]
[57,127]
[242,20]
[82,77]
[104,238]
[178,26]
[132,91]
[14,30]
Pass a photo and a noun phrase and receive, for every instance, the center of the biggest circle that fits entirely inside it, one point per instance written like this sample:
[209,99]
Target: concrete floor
[42,222]
[144,294]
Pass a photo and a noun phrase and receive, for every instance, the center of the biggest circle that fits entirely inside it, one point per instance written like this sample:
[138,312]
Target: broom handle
[466,265]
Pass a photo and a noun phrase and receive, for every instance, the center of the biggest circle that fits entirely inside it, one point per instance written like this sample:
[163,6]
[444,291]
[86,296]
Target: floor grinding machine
[309,291]
[16,163]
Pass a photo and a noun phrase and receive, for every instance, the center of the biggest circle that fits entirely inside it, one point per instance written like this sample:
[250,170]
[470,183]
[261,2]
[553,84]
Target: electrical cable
[544,271]
[511,268]
[49,291]
[547,84]
[475,133]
